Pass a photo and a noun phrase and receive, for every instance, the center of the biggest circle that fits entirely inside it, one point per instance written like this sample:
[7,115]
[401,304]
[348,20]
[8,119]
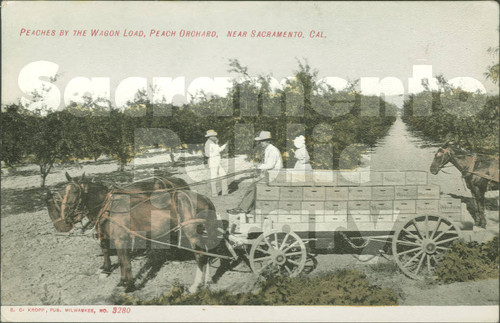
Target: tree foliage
[331,121]
[454,114]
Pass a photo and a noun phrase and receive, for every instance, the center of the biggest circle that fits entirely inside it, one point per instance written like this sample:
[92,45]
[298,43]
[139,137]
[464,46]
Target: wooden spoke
[420,263]
[263,251]
[429,267]
[264,267]
[293,262]
[410,243]
[293,253]
[418,230]
[412,235]
[288,270]
[442,248]
[408,251]
[284,240]
[291,246]
[437,227]
[263,258]
[442,233]
[413,258]
[447,240]
[268,243]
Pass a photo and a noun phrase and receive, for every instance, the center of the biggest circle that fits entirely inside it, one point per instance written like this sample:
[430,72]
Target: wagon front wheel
[278,253]
[420,244]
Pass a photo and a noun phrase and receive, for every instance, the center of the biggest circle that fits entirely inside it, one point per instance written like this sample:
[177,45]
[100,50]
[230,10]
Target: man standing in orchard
[212,151]
[272,161]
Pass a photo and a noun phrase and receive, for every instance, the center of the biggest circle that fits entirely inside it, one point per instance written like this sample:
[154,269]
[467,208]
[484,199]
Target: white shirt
[272,159]
[302,157]
[212,151]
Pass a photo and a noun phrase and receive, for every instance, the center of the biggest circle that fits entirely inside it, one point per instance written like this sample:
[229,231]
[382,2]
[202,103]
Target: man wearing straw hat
[272,161]
[212,151]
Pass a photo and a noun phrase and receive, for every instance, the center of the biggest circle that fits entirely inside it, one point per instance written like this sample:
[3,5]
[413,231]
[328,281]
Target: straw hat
[211,133]
[263,135]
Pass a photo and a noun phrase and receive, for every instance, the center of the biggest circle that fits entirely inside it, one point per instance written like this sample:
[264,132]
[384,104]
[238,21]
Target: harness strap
[469,169]
[166,243]
[472,164]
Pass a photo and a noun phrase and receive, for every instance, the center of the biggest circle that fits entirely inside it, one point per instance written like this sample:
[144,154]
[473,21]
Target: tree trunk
[43,176]
[121,168]
[44,171]
[172,157]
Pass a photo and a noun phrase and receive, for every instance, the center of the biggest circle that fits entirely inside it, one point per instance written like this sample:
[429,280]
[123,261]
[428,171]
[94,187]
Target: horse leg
[480,204]
[201,263]
[478,195]
[106,267]
[225,264]
[125,266]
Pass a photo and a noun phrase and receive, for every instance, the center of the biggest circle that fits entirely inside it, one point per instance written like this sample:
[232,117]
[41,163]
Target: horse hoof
[130,289]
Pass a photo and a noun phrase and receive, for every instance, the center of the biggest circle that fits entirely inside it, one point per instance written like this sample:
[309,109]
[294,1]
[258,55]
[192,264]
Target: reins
[105,211]
[166,243]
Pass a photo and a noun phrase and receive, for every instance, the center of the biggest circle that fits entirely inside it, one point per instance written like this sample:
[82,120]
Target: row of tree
[331,120]
[452,114]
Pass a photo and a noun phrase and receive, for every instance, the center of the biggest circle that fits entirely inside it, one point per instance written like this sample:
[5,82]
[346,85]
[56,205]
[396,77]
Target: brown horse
[144,210]
[54,208]
[479,172]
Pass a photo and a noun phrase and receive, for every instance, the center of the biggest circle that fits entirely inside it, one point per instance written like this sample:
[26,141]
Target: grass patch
[470,261]
[346,287]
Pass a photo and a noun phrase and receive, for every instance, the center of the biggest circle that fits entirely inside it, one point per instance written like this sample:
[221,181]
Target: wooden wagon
[298,212]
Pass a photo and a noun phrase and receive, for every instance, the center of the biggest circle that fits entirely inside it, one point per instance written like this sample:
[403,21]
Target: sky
[358,40]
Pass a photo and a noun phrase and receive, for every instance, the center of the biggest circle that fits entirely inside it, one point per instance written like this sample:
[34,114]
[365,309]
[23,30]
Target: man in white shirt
[272,161]
[212,151]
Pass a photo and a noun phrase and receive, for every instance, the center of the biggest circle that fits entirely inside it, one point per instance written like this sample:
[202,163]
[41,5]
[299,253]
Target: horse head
[73,202]
[54,209]
[441,158]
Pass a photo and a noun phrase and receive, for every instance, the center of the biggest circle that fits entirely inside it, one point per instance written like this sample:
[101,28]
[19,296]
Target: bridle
[446,153]
[74,211]
[450,154]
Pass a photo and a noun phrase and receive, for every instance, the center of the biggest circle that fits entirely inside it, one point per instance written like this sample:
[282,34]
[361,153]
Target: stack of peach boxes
[349,200]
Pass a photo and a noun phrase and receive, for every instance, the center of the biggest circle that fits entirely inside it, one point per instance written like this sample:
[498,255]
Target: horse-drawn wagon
[296,213]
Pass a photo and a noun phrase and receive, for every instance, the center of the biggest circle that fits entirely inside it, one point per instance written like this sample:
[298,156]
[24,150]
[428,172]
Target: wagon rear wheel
[278,253]
[420,244]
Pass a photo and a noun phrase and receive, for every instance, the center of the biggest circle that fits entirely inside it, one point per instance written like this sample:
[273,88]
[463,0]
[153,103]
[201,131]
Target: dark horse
[147,210]
[479,172]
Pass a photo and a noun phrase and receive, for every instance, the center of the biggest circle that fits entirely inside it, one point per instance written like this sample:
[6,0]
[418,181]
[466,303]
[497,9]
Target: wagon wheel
[279,253]
[420,244]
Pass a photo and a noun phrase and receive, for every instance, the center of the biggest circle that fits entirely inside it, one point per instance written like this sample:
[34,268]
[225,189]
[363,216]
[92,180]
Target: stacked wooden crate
[350,200]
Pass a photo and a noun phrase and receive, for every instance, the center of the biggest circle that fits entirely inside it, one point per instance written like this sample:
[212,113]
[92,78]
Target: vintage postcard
[250,161]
